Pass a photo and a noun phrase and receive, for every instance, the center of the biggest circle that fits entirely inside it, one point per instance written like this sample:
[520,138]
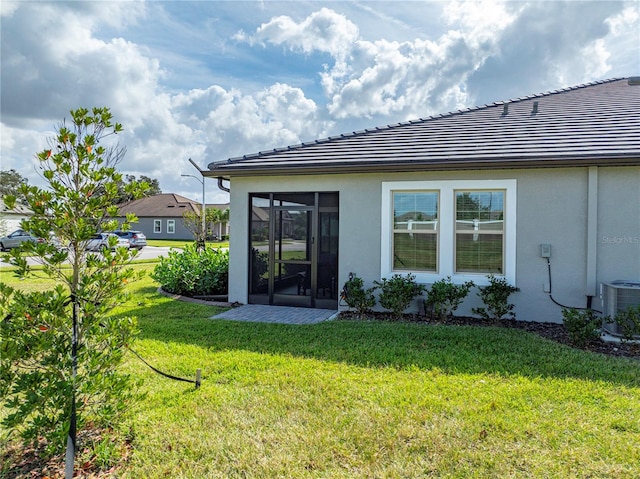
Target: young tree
[59,349]
[192,221]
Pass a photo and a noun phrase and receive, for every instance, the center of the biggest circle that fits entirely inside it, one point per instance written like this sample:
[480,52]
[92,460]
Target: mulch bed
[28,462]
[553,331]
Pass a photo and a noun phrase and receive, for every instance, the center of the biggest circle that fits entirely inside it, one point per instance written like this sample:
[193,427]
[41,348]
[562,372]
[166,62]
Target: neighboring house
[10,219]
[160,216]
[464,194]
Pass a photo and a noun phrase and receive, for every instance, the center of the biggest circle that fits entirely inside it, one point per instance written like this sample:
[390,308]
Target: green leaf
[10,201]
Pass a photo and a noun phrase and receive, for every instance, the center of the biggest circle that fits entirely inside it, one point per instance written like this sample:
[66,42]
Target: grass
[182,243]
[347,399]
[37,281]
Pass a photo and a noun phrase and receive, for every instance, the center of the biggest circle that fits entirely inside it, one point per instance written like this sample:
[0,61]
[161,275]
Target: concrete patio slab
[260,313]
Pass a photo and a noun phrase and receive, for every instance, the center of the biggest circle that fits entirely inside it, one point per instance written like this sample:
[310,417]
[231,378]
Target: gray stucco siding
[619,224]
[552,207]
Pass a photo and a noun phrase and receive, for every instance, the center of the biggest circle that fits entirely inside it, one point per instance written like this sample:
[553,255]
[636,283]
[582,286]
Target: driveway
[148,252]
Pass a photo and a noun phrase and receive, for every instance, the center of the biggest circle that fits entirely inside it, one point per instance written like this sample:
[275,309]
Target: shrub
[398,292]
[628,321]
[496,299]
[582,325]
[192,273]
[445,297]
[357,297]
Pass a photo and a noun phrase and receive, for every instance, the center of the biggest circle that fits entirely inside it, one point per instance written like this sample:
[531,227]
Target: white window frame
[171,227]
[446,227]
[157,226]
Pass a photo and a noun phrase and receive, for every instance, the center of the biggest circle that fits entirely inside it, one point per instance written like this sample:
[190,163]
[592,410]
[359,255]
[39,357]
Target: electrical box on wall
[545,250]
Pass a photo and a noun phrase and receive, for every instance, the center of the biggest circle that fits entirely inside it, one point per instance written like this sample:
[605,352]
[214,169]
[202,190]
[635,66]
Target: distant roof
[218,206]
[166,204]
[592,124]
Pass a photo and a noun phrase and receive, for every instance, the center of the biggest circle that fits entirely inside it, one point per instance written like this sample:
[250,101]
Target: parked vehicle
[55,241]
[136,239]
[101,240]
[16,238]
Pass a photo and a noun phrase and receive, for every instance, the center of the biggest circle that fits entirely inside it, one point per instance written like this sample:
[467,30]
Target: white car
[101,240]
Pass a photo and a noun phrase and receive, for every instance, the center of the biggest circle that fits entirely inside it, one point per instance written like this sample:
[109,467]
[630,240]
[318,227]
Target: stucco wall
[619,224]
[552,207]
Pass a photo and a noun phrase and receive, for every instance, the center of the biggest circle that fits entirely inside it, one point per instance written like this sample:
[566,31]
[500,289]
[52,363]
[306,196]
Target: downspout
[221,186]
[228,190]
[592,234]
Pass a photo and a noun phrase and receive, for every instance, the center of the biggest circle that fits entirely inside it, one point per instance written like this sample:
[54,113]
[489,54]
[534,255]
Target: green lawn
[349,399]
[182,243]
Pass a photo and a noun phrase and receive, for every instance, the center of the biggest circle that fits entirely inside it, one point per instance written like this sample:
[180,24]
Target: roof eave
[228,170]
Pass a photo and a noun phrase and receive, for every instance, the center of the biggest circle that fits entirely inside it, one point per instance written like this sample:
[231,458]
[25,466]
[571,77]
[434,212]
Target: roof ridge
[421,120]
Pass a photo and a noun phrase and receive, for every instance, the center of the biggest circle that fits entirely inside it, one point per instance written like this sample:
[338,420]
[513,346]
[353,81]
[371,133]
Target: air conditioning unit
[618,296]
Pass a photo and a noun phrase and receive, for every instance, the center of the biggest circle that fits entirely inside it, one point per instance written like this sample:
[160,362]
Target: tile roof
[162,205]
[217,206]
[592,124]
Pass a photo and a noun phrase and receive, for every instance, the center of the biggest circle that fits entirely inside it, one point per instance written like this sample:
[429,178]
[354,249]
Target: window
[462,229]
[157,226]
[415,230]
[479,232]
[171,226]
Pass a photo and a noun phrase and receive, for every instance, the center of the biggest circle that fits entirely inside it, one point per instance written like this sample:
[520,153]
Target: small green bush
[628,321]
[582,325]
[445,297]
[191,272]
[357,297]
[398,292]
[496,299]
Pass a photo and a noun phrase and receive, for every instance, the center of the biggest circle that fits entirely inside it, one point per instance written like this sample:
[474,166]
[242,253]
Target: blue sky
[210,80]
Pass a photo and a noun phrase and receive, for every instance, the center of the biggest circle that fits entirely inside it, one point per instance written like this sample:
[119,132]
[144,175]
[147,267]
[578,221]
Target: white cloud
[48,70]
[624,36]
[625,21]
[23,144]
[481,20]
[324,30]
[523,43]
[388,78]
[548,45]
[234,123]
[7,8]
[44,76]
[407,80]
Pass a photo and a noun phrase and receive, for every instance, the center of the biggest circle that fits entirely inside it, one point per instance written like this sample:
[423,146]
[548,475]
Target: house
[160,216]
[10,219]
[542,190]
